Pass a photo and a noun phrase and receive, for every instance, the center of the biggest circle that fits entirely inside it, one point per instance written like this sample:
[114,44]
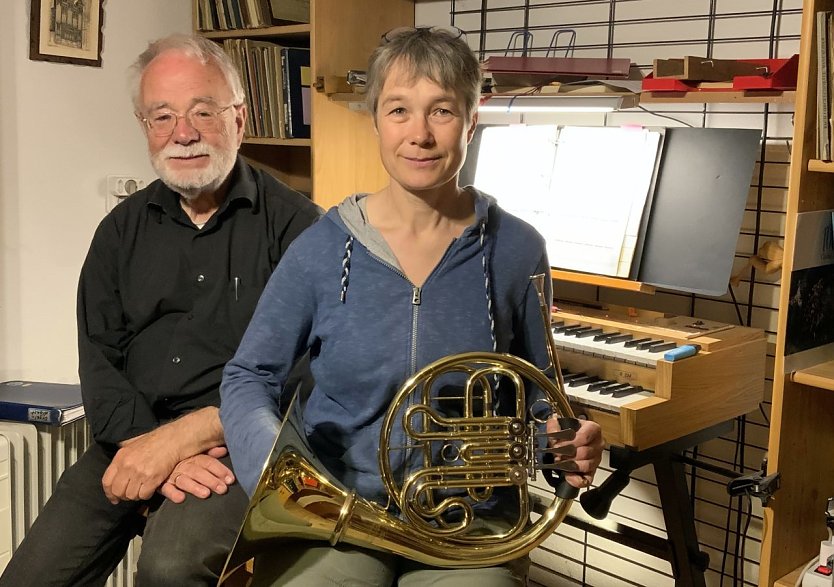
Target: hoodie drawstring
[346,268]
[488,288]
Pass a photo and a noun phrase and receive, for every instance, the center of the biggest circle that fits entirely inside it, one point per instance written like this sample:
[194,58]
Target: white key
[584,396]
[599,348]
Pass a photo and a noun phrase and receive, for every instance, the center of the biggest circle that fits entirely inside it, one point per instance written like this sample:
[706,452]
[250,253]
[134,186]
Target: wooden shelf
[300,31]
[779,97]
[789,580]
[821,166]
[277,142]
[602,281]
[821,376]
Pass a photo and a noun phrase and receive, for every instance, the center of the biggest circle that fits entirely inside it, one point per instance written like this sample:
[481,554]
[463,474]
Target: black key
[605,336]
[587,333]
[644,346]
[628,392]
[571,376]
[583,380]
[614,388]
[600,384]
[663,347]
[619,338]
[562,327]
[636,341]
[557,324]
[576,329]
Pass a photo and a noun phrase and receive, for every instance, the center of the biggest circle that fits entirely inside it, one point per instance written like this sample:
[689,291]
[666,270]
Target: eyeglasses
[201,118]
[452,31]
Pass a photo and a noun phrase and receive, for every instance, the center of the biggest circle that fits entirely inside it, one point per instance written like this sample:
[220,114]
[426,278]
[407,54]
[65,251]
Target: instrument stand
[681,547]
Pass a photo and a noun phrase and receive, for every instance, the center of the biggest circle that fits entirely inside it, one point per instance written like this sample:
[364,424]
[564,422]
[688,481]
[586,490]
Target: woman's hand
[589,444]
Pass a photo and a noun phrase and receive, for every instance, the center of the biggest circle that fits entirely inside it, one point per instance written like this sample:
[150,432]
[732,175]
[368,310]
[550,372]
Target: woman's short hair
[433,53]
[194,46]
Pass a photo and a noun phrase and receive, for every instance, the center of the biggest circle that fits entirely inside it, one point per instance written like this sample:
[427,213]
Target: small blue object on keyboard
[682,352]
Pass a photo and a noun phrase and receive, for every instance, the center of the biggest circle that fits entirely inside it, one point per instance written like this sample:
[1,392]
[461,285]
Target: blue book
[295,64]
[42,403]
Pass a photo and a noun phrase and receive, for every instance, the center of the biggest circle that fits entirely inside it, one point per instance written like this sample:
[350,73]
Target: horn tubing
[295,500]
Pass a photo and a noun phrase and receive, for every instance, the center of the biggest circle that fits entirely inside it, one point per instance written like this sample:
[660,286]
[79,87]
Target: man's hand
[199,475]
[589,445]
[144,463]
[139,467]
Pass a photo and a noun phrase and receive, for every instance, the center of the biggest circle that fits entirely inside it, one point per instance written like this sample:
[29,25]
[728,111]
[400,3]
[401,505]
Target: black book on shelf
[39,402]
[295,64]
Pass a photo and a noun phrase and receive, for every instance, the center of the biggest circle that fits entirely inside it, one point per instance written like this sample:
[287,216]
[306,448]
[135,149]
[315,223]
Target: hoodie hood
[354,220]
[351,215]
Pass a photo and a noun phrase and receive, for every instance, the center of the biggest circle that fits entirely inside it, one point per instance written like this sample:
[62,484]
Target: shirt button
[190,317]
[201,278]
[176,360]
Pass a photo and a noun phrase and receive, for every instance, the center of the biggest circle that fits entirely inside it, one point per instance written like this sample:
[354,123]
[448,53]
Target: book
[39,402]
[290,10]
[809,329]
[823,97]
[295,63]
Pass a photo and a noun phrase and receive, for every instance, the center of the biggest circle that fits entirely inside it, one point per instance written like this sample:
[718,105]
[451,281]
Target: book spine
[823,103]
[24,413]
[285,75]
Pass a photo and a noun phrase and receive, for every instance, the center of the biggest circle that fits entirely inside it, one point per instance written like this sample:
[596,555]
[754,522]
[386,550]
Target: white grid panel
[643,30]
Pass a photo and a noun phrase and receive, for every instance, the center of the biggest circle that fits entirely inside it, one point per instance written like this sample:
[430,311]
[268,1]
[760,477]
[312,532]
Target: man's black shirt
[163,305]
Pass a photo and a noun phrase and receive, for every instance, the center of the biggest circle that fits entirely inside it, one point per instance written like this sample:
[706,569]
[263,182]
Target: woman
[383,285]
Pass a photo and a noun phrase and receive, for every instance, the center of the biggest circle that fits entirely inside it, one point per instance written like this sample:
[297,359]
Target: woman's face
[422,131]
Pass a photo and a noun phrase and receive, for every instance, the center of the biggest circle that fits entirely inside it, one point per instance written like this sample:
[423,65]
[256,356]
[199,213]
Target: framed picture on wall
[66,31]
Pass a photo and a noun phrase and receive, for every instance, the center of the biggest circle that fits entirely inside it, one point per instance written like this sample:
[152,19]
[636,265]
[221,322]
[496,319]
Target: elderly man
[168,287]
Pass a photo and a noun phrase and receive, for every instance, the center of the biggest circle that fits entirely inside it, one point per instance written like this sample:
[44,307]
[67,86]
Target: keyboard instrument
[648,378]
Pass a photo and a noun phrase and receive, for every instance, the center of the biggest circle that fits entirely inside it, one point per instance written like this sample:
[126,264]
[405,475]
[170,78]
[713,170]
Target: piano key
[634,342]
[612,402]
[589,333]
[644,346]
[612,388]
[606,335]
[659,348]
[618,347]
[587,379]
[600,384]
[627,392]
[576,329]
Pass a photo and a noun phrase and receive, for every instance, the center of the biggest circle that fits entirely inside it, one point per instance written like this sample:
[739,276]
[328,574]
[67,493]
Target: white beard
[191,183]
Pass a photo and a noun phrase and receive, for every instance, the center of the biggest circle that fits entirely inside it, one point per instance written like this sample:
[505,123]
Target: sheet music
[583,188]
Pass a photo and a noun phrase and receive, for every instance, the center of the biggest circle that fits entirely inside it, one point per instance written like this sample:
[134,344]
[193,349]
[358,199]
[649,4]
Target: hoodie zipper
[416,296]
[416,299]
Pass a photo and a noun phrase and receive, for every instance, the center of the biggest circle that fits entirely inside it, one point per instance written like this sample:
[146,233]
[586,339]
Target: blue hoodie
[338,291]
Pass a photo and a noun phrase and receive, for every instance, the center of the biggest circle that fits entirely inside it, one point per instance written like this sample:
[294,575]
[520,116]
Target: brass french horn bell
[460,435]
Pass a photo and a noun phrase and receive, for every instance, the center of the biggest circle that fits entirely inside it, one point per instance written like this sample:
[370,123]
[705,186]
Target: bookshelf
[802,413]
[341,155]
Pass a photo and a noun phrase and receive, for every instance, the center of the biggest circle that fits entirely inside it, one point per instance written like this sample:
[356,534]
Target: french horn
[460,436]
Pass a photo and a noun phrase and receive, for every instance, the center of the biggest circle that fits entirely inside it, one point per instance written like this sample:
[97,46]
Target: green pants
[308,564]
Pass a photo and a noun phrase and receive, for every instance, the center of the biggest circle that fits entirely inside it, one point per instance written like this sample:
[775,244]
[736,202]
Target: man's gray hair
[194,46]
[435,54]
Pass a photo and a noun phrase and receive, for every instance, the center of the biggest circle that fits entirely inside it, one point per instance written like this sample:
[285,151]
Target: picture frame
[66,31]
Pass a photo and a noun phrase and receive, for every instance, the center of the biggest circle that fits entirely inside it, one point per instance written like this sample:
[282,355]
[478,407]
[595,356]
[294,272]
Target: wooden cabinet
[802,414]
[341,157]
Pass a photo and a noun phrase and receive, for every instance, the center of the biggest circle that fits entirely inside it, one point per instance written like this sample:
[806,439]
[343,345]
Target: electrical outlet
[119,187]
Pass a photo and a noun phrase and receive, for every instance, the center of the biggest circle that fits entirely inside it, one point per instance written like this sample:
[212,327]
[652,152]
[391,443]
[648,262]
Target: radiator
[32,458]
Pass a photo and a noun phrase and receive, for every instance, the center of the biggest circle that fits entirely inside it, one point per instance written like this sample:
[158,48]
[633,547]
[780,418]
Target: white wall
[63,128]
